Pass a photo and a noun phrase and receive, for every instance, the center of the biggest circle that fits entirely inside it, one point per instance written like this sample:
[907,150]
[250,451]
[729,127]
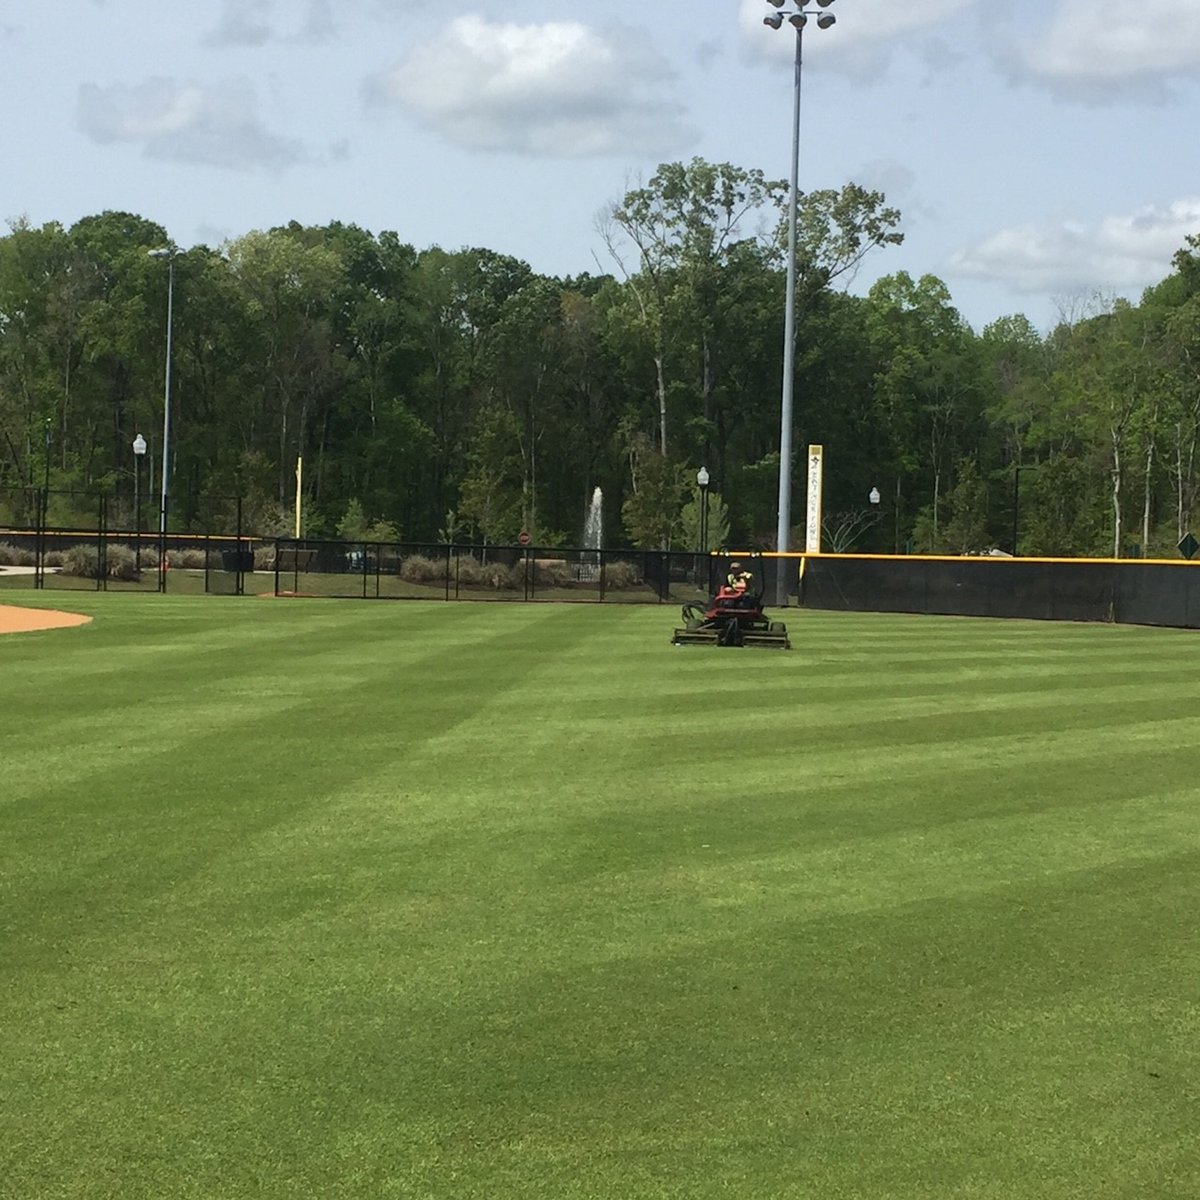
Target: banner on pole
[812,536]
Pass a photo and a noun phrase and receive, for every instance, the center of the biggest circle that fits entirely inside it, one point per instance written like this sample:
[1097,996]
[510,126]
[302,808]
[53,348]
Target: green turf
[343,899]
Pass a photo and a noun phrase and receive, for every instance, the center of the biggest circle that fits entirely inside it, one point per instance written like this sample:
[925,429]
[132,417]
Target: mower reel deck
[728,622]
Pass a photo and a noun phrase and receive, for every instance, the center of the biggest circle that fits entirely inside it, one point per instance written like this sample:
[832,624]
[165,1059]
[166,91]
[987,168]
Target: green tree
[652,508]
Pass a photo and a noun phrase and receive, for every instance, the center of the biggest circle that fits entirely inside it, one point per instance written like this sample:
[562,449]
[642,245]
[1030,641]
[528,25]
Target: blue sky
[1041,153]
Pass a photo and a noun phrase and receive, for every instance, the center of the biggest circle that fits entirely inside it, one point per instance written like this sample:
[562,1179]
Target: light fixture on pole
[169,253]
[796,16]
[702,478]
[874,497]
[139,452]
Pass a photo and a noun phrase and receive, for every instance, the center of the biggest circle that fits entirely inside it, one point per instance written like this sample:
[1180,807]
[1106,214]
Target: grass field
[339,899]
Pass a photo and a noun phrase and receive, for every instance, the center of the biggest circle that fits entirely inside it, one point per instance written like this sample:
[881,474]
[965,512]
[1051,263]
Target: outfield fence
[1122,591]
[79,540]
[422,571]
[72,541]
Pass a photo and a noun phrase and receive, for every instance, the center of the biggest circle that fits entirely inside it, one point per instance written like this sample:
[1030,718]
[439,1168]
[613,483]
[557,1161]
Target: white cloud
[559,89]
[1090,46]
[184,121]
[1122,252]
[864,37]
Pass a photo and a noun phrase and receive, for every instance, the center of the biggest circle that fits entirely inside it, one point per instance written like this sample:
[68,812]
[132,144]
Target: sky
[1041,152]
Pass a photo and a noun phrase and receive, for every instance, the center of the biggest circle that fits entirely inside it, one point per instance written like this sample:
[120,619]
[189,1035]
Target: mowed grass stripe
[559,910]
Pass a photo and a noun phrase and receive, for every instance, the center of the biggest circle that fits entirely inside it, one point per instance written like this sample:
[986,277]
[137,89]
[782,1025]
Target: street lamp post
[43,541]
[798,19]
[169,253]
[139,452]
[702,478]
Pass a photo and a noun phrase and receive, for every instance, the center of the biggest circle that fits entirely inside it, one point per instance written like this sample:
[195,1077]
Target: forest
[439,395]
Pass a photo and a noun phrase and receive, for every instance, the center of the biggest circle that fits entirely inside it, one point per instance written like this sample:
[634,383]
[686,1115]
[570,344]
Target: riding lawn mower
[731,620]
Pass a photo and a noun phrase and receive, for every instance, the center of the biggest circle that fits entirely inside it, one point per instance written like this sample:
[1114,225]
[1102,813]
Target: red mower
[732,619]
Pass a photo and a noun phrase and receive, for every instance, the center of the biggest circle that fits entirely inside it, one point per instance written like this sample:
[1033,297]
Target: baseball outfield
[319,898]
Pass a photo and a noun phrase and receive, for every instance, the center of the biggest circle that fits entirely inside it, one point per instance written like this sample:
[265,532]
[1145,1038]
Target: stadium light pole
[795,16]
[702,478]
[169,253]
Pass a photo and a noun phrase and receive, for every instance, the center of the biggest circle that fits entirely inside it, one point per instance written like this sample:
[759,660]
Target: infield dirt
[29,620]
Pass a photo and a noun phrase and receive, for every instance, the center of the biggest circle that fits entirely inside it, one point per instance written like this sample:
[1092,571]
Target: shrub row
[546,573]
[122,560]
[83,561]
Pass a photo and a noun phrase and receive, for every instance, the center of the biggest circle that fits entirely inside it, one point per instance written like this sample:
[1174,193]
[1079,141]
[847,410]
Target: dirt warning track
[28,620]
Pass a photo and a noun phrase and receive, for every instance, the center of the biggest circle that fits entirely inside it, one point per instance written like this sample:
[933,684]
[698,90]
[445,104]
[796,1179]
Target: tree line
[437,395]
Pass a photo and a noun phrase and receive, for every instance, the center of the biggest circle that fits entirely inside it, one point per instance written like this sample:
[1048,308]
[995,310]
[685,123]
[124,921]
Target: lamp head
[702,477]
[825,20]
[775,20]
[139,445]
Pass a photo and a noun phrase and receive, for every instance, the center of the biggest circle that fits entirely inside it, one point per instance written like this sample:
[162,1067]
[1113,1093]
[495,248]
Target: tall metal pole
[1016,507]
[166,447]
[783,529]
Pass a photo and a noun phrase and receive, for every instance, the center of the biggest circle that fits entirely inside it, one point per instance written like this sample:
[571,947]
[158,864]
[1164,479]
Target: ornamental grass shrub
[83,561]
[620,574]
[496,575]
[467,570]
[418,568]
[188,558]
[553,573]
[16,556]
[121,563]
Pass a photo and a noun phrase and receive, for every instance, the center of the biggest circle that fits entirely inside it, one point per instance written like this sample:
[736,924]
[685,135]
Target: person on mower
[736,586]
[737,579]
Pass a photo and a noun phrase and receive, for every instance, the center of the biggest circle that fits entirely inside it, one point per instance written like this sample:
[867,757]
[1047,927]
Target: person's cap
[734,564]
